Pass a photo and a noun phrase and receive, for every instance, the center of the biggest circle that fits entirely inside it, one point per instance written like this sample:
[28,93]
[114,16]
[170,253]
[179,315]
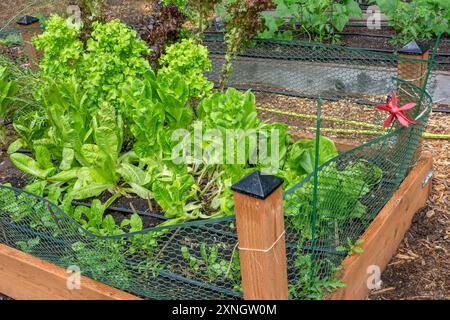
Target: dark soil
[14,53]
[10,174]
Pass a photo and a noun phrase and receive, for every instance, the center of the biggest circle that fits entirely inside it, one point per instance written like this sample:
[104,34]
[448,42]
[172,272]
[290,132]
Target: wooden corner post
[260,226]
[410,70]
[413,68]
[30,27]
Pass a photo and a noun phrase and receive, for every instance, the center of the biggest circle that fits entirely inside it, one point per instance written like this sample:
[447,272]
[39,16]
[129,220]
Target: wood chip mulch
[421,268]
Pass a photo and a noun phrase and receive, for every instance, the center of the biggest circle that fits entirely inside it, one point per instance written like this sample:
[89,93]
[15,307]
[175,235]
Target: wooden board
[385,233]
[24,277]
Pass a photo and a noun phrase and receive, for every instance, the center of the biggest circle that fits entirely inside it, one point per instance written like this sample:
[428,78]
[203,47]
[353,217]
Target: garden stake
[314,209]
[260,227]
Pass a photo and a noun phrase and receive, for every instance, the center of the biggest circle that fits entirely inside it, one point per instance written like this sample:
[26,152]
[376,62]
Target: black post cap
[258,185]
[415,47]
[27,20]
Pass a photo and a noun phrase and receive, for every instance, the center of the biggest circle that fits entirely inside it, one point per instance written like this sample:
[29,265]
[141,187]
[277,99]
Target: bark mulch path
[421,268]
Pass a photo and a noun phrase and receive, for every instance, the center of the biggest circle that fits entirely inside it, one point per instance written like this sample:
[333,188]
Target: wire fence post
[29,27]
[315,188]
[258,203]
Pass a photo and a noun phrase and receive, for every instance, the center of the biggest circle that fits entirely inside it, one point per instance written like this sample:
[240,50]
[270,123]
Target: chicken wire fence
[326,213]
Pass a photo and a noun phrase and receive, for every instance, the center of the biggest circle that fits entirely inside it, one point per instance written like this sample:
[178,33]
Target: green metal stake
[316,174]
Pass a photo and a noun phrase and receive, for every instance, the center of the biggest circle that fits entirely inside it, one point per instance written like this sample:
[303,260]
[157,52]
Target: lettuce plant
[188,60]
[8,89]
[229,110]
[113,56]
[162,28]
[61,47]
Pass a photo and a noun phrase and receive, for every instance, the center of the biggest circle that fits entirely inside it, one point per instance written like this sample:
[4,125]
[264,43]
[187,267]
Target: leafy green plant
[8,89]
[416,19]
[212,267]
[113,56]
[351,247]
[188,60]
[29,245]
[301,157]
[320,20]
[93,219]
[229,110]
[174,193]
[162,27]
[61,47]
[339,201]
[156,107]
[29,126]
[313,286]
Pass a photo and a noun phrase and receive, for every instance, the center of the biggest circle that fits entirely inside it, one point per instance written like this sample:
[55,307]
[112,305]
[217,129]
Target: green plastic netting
[199,260]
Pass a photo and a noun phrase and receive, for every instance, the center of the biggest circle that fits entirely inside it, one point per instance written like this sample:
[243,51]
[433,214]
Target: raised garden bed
[327,209]
[23,276]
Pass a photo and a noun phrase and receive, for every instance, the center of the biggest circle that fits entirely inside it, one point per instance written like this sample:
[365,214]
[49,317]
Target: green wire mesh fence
[326,212]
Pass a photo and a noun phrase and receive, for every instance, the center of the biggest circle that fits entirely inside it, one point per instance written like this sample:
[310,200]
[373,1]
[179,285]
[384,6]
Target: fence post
[260,226]
[30,27]
[414,71]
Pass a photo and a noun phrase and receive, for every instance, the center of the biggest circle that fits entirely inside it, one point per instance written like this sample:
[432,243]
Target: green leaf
[29,165]
[357,250]
[65,176]
[133,174]
[125,223]
[353,8]
[135,223]
[92,190]
[36,187]
[54,193]
[142,192]
[339,21]
[15,146]
[68,156]
[109,224]
[43,157]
